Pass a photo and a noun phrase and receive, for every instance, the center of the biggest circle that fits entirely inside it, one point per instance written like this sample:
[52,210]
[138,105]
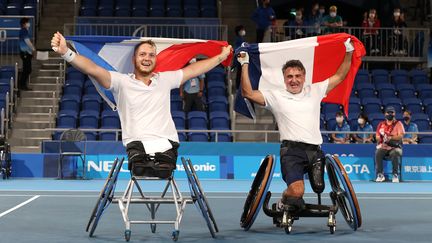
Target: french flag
[115,53]
[320,55]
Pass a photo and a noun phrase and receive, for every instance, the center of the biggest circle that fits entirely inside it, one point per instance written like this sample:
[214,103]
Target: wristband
[69,55]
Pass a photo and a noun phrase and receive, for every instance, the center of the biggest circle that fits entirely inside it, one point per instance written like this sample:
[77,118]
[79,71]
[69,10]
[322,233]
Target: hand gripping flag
[320,55]
[115,53]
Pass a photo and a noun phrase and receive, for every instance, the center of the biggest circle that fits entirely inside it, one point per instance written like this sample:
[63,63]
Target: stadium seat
[379,76]
[365,90]
[13,9]
[174,8]
[427,104]
[372,105]
[89,119]
[413,104]
[89,3]
[208,9]
[423,138]
[7,72]
[157,8]
[72,89]
[422,120]
[110,119]
[354,105]
[221,137]
[219,120]
[89,88]
[424,91]
[70,102]
[395,102]
[105,11]
[328,108]
[91,102]
[191,11]
[385,90]
[399,76]
[418,77]
[67,119]
[216,89]
[140,11]
[198,137]
[406,91]
[182,136]
[29,9]
[375,119]
[122,11]
[331,123]
[176,103]
[362,76]
[88,11]
[197,120]
[218,103]
[5,87]
[107,136]
[179,118]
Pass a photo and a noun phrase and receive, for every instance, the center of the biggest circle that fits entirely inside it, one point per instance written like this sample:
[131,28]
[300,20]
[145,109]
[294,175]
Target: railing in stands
[382,44]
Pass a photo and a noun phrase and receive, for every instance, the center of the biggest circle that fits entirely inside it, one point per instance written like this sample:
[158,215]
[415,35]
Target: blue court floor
[48,210]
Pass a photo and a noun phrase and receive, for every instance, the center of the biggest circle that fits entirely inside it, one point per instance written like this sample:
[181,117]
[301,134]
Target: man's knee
[296,189]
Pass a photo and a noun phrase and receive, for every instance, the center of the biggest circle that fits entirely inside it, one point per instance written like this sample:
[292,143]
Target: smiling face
[294,79]
[145,59]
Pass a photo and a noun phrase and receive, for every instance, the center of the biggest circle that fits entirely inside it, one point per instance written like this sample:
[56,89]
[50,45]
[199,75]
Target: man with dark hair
[297,112]
[341,126]
[26,53]
[142,97]
[263,17]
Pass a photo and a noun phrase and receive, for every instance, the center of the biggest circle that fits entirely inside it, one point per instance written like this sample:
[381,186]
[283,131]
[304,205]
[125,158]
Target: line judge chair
[73,143]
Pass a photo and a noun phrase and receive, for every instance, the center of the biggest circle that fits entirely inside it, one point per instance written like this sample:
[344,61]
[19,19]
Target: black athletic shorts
[295,160]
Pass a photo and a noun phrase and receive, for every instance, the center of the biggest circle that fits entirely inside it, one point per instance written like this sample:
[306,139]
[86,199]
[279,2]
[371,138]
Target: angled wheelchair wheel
[106,196]
[343,193]
[256,195]
[198,196]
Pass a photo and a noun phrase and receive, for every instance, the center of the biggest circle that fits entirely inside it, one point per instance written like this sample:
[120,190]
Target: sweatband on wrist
[69,55]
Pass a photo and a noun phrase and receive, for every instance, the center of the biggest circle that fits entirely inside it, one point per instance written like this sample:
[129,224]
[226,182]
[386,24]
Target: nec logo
[104,166]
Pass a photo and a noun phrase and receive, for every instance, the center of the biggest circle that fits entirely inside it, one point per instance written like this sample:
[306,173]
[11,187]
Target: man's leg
[292,168]
[199,106]
[294,190]
[188,102]
[379,156]
[27,68]
[395,156]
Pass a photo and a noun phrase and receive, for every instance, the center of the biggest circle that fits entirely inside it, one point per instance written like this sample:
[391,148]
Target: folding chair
[69,148]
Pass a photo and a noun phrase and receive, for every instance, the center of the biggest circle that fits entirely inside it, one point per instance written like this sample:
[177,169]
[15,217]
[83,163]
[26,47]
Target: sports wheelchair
[5,159]
[197,197]
[342,196]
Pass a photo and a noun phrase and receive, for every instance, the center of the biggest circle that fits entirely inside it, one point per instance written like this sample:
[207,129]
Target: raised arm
[246,88]
[343,69]
[83,64]
[203,66]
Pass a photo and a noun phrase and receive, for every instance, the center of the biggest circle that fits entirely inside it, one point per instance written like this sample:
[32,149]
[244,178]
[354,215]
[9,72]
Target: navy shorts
[295,160]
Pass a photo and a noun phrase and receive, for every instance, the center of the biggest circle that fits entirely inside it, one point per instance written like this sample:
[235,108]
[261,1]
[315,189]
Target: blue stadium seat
[105,11]
[406,91]
[380,76]
[157,8]
[365,90]
[89,88]
[91,102]
[110,119]
[88,11]
[198,137]
[7,72]
[67,119]
[322,122]
[174,8]
[328,108]
[395,102]
[72,88]
[413,104]
[107,136]
[418,76]
[197,120]
[13,9]
[427,104]
[219,120]
[122,11]
[385,90]
[89,119]
[331,123]
[216,89]
[422,120]
[70,102]
[371,105]
[29,9]
[425,138]
[221,137]
[424,91]
[89,3]
[208,9]
[176,103]
[218,103]
[179,118]
[399,76]
[362,76]
[5,88]
[191,11]
[182,136]
[375,119]
[354,105]
[140,11]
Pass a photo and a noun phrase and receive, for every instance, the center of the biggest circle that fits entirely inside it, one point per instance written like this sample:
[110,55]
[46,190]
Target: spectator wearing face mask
[409,127]
[263,17]
[26,53]
[314,20]
[397,33]
[363,126]
[371,27]
[389,136]
[333,22]
[295,28]
[341,126]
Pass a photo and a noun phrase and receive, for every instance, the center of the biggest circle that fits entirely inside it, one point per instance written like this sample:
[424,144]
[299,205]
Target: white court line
[18,206]
[230,197]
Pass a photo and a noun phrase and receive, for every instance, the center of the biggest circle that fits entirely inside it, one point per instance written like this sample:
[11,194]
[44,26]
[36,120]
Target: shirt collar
[305,92]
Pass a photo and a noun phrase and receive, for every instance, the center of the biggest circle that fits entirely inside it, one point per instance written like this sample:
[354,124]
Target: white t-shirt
[298,115]
[144,111]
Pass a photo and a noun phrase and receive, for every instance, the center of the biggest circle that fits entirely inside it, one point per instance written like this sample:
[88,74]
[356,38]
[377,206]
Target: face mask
[360,121]
[396,14]
[406,118]
[299,17]
[371,16]
[322,11]
[333,14]
[27,25]
[339,119]
[242,32]
[389,117]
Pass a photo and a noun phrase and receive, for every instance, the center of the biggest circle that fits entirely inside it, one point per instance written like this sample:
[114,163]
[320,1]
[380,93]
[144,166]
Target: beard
[142,71]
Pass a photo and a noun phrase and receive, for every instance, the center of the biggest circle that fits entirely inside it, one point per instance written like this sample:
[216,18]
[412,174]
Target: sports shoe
[395,178]
[380,178]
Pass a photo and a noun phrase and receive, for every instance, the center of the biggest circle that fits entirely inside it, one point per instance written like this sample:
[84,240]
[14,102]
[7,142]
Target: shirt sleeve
[171,79]
[322,87]
[400,128]
[269,99]
[115,81]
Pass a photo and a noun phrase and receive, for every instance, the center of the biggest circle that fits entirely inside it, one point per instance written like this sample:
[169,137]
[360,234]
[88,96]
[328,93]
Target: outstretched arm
[246,88]
[343,69]
[203,66]
[83,64]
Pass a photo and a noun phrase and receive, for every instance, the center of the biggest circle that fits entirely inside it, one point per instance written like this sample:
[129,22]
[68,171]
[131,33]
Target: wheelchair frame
[5,160]
[152,203]
[342,196]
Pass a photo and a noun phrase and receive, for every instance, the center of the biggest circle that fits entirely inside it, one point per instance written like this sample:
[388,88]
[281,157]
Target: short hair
[238,28]
[333,7]
[364,116]
[293,64]
[408,111]
[148,42]
[24,20]
[339,113]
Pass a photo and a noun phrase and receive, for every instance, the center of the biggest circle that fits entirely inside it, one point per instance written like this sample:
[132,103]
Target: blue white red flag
[320,55]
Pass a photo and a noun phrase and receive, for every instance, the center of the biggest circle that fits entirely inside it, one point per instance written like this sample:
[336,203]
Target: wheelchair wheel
[106,196]
[344,196]
[256,195]
[198,197]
